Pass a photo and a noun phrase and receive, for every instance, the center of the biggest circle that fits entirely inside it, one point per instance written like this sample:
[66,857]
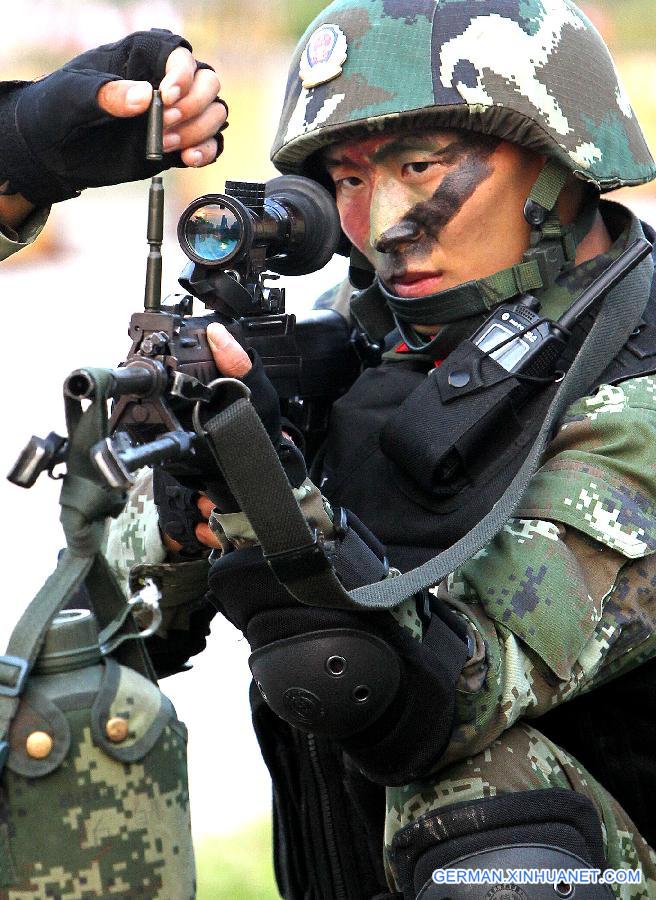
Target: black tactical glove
[171,654]
[54,138]
[267,405]
[359,678]
[178,512]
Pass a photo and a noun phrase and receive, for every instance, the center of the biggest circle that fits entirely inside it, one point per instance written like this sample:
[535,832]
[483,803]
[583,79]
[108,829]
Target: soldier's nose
[396,237]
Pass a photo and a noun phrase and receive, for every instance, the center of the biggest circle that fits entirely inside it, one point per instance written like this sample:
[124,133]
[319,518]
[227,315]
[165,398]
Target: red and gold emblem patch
[324,56]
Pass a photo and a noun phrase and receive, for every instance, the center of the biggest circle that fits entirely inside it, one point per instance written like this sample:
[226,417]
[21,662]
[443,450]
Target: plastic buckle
[9,690]
[299,562]
[551,259]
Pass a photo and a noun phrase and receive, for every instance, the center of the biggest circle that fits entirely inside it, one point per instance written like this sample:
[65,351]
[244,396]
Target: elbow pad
[356,677]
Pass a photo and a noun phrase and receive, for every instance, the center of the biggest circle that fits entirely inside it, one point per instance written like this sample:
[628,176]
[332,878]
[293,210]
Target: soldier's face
[432,210]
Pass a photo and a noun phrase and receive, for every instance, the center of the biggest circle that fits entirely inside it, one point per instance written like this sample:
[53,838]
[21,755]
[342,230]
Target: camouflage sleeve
[11,241]
[133,538]
[561,599]
[134,549]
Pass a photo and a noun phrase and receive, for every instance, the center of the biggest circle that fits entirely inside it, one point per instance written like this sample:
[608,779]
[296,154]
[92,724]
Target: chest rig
[435,476]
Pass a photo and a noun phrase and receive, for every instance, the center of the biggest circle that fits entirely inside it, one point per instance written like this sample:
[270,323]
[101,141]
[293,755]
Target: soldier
[467,145]
[83,126]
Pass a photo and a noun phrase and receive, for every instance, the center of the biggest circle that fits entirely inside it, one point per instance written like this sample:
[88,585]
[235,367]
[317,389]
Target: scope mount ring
[233,390]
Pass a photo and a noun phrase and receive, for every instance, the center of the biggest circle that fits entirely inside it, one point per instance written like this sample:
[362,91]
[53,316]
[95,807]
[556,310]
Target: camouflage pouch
[94,790]
[93,774]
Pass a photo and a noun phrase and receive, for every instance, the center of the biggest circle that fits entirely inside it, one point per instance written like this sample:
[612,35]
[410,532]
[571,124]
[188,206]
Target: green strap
[28,636]
[86,502]
[520,279]
[464,301]
[242,446]
[549,185]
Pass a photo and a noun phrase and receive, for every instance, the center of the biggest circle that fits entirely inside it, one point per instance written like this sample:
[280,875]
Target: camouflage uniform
[558,603]
[561,600]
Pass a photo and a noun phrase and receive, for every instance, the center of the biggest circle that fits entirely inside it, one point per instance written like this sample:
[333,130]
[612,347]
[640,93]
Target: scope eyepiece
[291,221]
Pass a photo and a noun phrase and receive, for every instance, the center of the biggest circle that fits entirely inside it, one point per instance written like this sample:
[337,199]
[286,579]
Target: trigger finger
[206,536]
[205,506]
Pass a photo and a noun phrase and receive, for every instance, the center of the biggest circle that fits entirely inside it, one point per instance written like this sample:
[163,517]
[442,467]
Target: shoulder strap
[242,448]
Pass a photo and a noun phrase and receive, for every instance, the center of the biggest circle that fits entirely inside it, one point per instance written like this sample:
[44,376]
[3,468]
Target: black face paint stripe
[431,216]
[456,188]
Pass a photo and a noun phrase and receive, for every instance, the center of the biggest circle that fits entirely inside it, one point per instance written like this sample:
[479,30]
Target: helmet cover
[534,72]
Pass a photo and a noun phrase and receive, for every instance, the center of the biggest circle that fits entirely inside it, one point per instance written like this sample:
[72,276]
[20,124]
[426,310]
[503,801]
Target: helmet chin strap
[552,251]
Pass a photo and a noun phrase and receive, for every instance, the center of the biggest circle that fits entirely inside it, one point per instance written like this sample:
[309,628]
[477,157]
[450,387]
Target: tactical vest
[328,819]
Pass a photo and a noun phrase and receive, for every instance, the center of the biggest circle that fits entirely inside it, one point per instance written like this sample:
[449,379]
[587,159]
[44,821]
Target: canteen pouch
[93,775]
[96,817]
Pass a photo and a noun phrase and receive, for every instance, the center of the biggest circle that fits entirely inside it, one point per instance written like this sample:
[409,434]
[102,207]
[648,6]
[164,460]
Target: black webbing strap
[260,485]
[86,502]
[244,451]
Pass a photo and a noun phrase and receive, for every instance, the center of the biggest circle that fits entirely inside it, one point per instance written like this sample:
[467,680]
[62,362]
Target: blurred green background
[249,43]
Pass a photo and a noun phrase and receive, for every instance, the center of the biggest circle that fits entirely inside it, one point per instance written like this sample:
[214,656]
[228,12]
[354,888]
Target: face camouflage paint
[431,210]
[470,155]
[424,222]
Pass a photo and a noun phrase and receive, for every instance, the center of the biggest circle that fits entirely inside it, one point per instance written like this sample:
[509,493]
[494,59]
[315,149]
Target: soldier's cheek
[354,215]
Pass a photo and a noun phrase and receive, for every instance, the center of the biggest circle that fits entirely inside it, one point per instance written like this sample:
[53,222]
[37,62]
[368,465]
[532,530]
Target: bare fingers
[179,77]
[197,131]
[201,155]
[125,99]
[202,92]
[203,532]
[230,357]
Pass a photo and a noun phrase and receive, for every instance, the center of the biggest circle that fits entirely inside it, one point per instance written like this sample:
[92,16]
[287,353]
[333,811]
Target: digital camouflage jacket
[561,601]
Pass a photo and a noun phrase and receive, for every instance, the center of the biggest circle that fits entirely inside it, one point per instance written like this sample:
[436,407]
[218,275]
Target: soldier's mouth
[416,284]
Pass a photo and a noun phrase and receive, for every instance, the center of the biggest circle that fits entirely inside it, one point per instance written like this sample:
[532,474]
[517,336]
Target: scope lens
[213,233]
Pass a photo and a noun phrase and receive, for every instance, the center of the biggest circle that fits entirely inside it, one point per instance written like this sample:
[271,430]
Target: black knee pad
[545,829]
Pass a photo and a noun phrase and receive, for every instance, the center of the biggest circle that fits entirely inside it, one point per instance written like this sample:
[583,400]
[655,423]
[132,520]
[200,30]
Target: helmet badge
[323,56]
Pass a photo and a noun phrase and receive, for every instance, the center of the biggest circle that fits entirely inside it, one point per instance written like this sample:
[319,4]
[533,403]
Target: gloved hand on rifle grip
[181,519]
[233,361]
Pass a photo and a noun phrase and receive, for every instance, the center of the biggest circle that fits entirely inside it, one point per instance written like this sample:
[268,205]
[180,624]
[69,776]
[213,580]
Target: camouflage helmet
[534,72]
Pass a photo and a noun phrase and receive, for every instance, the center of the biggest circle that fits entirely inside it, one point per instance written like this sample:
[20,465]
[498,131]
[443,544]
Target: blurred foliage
[237,866]
[299,15]
[625,24]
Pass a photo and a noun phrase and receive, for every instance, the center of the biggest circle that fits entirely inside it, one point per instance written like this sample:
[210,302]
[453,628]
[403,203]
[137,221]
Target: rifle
[237,242]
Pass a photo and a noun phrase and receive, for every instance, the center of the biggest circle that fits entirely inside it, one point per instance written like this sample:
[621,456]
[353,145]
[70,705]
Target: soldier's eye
[348,182]
[417,168]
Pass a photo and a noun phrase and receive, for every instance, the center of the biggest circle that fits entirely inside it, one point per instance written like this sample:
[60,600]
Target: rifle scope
[291,221]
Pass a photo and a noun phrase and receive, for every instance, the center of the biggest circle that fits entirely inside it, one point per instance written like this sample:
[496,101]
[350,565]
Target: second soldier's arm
[84,126]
